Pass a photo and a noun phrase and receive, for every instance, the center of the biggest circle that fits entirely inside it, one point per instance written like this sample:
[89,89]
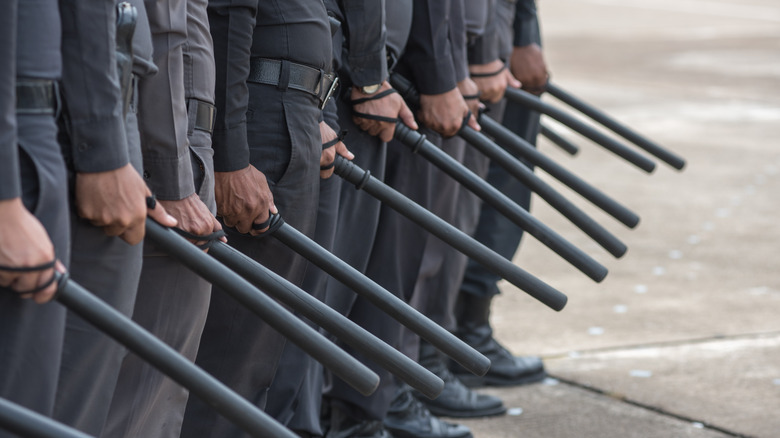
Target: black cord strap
[339,137]
[471,96]
[209,239]
[41,267]
[151,202]
[373,117]
[487,75]
[376,96]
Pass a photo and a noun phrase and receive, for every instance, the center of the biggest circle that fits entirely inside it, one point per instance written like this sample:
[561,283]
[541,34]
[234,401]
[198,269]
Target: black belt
[287,74]
[201,115]
[36,96]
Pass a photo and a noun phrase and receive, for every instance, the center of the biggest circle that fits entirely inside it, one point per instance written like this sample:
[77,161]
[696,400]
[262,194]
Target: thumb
[473,123]
[407,117]
[512,81]
[159,214]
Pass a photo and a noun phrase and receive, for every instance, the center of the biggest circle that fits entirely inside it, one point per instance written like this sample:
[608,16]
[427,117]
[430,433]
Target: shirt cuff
[526,32]
[170,179]
[231,149]
[99,145]
[370,69]
[433,76]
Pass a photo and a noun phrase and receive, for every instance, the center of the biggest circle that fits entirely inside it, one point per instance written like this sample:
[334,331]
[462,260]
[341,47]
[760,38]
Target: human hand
[445,112]
[527,64]
[243,198]
[193,217]
[492,86]
[329,154]
[26,244]
[391,106]
[116,201]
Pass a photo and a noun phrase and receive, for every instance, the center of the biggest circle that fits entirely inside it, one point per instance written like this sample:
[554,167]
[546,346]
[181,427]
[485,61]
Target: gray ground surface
[682,339]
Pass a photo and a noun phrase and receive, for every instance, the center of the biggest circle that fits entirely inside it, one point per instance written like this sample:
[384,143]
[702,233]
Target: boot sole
[472,381]
[443,412]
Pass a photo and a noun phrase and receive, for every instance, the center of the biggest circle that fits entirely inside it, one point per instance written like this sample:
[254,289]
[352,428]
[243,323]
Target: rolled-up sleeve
[232,23]
[162,109]
[429,52]
[10,186]
[90,86]
[367,55]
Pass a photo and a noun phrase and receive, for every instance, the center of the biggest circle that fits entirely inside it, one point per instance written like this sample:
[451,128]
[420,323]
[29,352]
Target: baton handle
[335,323]
[518,146]
[419,144]
[558,140]
[420,324]
[502,267]
[522,173]
[532,102]
[299,333]
[622,130]
[164,358]
[28,423]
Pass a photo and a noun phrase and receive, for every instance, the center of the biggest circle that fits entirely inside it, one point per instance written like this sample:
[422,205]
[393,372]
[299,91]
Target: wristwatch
[370,89]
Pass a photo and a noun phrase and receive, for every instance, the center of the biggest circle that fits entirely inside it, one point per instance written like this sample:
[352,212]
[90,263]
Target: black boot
[456,400]
[408,418]
[341,423]
[473,316]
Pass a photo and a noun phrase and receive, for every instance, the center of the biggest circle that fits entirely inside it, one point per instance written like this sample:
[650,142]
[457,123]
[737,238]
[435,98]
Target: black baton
[335,323]
[519,146]
[622,130]
[415,321]
[502,267]
[507,207]
[532,102]
[522,173]
[28,423]
[558,140]
[142,343]
[307,339]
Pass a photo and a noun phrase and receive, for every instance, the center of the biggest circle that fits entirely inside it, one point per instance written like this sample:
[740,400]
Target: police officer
[99,142]
[498,233]
[33,204]
[172,301]
[272,65]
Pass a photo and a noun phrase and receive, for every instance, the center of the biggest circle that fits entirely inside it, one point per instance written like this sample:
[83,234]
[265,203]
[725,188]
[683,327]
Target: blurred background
[682,339]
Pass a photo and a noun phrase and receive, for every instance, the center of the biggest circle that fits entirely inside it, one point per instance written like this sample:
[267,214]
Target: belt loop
[57,100]
[284,75]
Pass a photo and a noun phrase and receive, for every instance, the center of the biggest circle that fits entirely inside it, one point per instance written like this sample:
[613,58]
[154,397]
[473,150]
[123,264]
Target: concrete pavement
[682,339]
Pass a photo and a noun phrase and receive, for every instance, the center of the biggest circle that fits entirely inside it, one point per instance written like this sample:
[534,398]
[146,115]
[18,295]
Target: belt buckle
[332,89]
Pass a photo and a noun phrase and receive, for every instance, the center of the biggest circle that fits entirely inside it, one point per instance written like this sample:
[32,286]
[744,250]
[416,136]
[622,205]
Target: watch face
[370,89]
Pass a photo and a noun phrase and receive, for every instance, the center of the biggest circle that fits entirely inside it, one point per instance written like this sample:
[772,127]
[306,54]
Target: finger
[473,123]
[387,133]
[162,217]
[46,294]
[134,234]
[29,281]
[407,116]
[511,80]
[327,173]
[342,150]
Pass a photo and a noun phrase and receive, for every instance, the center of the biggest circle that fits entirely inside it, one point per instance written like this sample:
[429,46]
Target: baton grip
[534,103]
[164,358]
[335,323]
[518,146]
[520,171]
[579,259]
[502,267]
[299,333]
[622,130]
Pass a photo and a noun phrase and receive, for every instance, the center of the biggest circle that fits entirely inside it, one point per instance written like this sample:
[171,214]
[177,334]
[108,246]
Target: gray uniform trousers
[237,347]
[172,301]
[109,268]
[394,263]
[31,334]
[494,230]
[437,286]
[295,395]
